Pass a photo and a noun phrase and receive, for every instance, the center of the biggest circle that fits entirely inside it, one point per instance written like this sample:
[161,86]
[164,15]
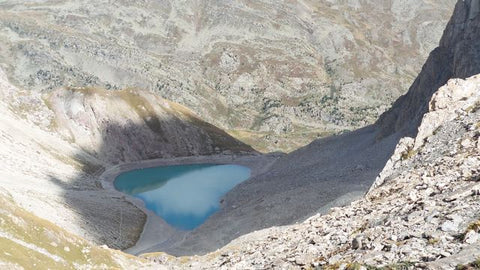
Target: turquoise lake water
[183,195]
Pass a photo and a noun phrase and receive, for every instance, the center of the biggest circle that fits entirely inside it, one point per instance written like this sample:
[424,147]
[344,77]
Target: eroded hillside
[28,241]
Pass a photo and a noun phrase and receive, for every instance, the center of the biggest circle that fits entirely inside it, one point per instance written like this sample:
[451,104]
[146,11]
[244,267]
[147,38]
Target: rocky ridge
[457,56]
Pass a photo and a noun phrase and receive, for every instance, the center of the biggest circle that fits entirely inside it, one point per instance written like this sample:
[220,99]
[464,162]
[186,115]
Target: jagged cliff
[457,56]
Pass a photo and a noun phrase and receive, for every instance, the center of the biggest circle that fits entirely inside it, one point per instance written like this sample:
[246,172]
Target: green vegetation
[474,226]
[409,154]
[433,241]
[470,266]
[474,108]
[262,141]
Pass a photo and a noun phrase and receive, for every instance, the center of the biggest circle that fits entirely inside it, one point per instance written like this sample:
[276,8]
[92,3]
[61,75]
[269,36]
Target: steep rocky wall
[457,56]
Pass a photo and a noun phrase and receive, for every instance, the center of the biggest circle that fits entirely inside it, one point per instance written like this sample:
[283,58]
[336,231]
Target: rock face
[285,71]
[457,56]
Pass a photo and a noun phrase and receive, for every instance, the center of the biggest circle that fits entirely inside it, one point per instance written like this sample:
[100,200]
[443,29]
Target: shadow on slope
[106,139]
[457,56]
[329,172]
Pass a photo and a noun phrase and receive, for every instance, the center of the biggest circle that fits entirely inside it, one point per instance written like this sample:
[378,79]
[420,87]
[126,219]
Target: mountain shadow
[122,127]
[457,56]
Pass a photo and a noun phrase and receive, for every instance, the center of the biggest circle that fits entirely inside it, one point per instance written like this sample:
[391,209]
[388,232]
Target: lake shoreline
[156,232]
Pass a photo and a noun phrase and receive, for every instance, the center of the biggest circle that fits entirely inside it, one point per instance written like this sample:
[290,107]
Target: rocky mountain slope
[274,73]
[29,242]
[424,211]
[457,56]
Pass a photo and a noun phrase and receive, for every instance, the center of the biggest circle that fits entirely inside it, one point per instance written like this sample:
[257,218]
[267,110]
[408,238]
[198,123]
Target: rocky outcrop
[286,72]
[424,215]
[456,95]
[457,56]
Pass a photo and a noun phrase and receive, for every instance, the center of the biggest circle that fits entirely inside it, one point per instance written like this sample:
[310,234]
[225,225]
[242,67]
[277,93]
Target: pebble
[449,226]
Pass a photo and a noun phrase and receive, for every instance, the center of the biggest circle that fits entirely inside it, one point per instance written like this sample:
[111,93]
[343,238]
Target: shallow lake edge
[155,230]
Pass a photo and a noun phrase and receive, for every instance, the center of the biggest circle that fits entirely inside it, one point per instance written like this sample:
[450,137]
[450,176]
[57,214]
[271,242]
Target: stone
[357,242]
[471,237]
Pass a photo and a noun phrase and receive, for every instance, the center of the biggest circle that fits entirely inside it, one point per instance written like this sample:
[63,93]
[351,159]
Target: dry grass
[40,234]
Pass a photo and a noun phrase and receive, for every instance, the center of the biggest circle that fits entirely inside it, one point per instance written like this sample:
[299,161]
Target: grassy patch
[47,246]
[470,266]
[25,257]
[433,241]
[474,108]
[474,226]
[409,154]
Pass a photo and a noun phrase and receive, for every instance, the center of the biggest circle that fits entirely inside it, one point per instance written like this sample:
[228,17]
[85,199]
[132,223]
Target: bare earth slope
[275,73]
[29,242]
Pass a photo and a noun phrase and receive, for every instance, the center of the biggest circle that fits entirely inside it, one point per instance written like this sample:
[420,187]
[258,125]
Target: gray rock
[357,242]
[471,237]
